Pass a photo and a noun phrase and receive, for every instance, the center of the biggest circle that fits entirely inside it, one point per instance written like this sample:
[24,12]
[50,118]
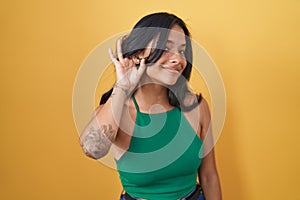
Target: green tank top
[163,157]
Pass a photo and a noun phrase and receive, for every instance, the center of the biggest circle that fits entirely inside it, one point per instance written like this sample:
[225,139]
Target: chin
[170,82]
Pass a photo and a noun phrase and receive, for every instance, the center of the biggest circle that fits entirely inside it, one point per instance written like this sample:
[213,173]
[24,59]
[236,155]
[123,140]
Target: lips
[172,69]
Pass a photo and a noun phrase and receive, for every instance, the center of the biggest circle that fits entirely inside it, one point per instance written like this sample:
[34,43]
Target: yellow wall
[43,43]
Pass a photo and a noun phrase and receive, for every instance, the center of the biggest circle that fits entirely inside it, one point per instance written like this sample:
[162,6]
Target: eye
[182,52]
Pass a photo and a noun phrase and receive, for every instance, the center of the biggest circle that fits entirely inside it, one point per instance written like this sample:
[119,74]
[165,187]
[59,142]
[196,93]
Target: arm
[101,131]
[207,172]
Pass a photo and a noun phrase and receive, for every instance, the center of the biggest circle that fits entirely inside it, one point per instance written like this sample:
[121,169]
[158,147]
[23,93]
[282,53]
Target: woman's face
[172,62]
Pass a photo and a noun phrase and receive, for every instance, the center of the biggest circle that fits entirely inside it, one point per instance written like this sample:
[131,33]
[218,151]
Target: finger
[111,55]
[141,69]
[119,52]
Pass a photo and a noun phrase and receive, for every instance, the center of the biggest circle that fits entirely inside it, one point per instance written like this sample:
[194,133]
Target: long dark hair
[158,25]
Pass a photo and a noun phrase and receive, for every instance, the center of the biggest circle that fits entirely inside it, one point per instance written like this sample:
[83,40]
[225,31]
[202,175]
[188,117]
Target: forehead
[176,34]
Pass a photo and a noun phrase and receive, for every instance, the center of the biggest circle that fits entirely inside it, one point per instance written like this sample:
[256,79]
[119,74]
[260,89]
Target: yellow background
[255,45]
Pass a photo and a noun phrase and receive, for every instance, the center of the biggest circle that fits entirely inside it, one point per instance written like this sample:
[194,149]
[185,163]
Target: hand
[128,75]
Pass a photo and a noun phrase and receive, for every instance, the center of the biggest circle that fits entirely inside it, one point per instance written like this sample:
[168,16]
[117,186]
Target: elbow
[209,178]
[95,144]
[96,155]
[94,151]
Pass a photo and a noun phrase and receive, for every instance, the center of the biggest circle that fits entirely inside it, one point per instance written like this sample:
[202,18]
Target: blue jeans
[201,197]
[197,194]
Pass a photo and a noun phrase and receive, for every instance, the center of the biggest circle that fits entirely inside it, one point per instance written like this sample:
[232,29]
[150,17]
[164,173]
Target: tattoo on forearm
[98,141]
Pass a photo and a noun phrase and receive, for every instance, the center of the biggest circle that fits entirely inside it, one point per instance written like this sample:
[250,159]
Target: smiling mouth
[172,70]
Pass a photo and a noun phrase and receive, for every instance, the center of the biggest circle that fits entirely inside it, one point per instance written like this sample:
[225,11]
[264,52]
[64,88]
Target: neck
[151,94]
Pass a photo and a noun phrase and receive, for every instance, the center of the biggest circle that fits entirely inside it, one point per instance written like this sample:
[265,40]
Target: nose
[174,58]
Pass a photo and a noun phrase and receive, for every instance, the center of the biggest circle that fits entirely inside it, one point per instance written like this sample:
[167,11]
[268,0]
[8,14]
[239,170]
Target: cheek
[153,69]
[162,60]
[184,63]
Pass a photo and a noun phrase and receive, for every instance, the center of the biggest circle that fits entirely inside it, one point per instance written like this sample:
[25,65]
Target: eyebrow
[172,42]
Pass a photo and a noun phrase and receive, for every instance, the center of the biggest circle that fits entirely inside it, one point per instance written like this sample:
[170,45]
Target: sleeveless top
[163,157]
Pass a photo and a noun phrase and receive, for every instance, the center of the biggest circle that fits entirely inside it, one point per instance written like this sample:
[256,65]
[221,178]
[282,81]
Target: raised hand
[128,75]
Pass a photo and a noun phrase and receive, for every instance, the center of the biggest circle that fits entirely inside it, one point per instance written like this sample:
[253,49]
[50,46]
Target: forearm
[211,187]
[97,140]
[101,131]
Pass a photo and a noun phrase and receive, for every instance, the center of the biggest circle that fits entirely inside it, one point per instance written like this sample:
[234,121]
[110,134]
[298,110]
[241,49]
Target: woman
[153,122]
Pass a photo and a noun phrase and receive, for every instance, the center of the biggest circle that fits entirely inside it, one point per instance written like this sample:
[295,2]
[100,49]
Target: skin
[119,111]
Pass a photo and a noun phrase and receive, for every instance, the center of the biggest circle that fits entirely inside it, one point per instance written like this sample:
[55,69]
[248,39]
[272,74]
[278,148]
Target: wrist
[119,87]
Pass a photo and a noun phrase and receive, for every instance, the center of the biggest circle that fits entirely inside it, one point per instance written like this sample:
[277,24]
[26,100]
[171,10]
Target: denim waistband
[196,194]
